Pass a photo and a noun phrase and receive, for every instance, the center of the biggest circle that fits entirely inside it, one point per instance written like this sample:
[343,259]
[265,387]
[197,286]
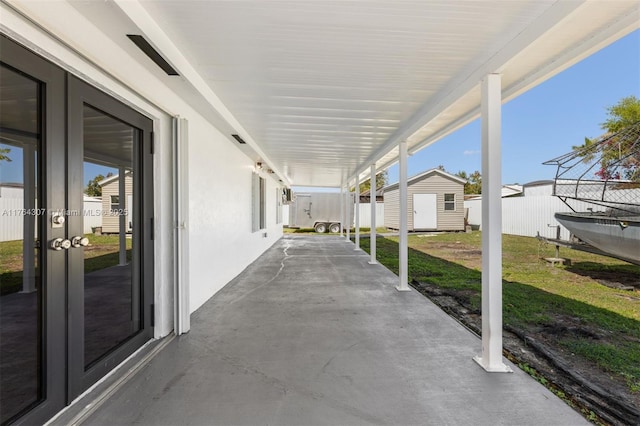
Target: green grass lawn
[537,296]
[101,253]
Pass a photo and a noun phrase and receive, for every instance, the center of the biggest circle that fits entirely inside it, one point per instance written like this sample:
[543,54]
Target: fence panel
[92,215]
[528,216]
[365,215]
[11,222]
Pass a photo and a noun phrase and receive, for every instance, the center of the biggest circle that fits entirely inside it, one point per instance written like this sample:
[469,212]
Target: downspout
[182,314]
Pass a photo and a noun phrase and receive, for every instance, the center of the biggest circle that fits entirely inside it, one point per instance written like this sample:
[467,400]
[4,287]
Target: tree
[622,115]
[618,153]
[93,188]
[473,182]
[3,154]
[381,181]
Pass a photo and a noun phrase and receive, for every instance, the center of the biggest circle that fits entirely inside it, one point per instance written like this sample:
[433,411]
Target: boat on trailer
[606,174]
[615,235]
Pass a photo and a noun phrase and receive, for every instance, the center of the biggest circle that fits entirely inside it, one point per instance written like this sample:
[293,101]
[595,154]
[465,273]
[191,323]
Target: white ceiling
[321,89]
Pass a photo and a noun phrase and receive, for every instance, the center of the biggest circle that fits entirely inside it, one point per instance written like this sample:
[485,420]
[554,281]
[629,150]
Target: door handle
[79,241]
[59,244]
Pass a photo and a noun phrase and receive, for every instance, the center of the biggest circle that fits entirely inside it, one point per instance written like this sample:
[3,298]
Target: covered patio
[251,98]
[310,333]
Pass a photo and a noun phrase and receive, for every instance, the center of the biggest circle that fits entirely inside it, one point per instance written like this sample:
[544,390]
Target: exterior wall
[220,241]
[111,224]
[448,220]
[392,209]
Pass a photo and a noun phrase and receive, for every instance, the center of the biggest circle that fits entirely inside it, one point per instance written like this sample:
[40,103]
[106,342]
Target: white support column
[491,357]
[122,198]
[403,245]
[372,240]
[348,208]
[29,220]
[357,214]
[341,211]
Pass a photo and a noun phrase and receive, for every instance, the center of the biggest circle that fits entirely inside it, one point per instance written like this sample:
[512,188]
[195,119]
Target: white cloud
[470,152]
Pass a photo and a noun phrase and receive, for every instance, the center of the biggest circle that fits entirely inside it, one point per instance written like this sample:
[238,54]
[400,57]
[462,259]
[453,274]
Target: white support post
[357,214]
[372,240]
[491,105]
[29,220]
[122,199]
[404,249]
[341,211]
[348,207]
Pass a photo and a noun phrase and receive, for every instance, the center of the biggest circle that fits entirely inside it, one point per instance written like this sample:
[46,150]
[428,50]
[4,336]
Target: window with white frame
[278,206]
[450,202]
[115,203]
[258,192]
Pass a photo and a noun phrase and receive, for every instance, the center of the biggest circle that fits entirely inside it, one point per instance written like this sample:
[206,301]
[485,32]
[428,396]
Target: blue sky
[546,121]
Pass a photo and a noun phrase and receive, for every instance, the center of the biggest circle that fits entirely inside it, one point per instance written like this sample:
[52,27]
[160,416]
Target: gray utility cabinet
[319,210]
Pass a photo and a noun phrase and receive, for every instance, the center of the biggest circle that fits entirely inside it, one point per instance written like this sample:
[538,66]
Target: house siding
[111,223]
[392,209]
[448,220]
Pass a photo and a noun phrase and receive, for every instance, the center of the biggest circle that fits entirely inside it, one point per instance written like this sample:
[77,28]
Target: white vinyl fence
[12,220]
[365,215]
[528,216]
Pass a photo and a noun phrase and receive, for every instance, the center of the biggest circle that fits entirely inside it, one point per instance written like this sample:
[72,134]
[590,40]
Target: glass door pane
[111,286]
[21,357]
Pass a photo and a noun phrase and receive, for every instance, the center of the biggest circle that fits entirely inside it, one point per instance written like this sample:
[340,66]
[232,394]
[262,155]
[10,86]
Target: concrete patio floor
[311,334]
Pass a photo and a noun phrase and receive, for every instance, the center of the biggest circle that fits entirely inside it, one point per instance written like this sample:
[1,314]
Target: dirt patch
[599,396]
[615,279]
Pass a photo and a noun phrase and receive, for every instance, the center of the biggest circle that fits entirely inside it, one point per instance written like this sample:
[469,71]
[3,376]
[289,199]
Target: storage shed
[114,204]
[435,202]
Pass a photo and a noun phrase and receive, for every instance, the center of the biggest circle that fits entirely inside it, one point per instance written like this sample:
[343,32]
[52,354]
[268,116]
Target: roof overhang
[321,90]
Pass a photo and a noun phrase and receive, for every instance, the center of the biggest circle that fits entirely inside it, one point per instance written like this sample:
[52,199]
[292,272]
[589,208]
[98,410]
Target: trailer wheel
[321,228]
[334,228]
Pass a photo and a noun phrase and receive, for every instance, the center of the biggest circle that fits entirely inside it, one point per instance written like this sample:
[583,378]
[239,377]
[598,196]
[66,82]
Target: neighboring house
[113,204]
[435,202]
[511,190]
[508,190]
[537,188]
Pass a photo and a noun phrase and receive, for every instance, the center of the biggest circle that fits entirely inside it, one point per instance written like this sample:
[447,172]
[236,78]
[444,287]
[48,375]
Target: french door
[76,235]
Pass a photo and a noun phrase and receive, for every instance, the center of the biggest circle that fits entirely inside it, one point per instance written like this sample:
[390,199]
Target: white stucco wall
[221,243]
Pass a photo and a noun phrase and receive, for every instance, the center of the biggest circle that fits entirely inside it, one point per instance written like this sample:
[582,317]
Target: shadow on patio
[312,334]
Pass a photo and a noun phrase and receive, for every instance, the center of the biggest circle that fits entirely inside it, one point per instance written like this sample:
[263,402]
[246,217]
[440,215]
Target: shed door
[425,211]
